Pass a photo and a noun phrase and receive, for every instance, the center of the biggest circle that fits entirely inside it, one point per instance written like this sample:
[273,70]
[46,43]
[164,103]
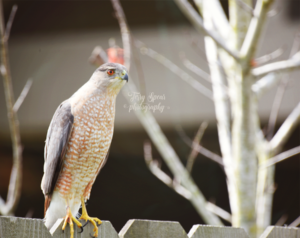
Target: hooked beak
[124,76]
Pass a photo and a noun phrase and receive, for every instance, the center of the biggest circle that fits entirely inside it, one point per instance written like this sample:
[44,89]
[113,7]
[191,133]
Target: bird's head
[110,77]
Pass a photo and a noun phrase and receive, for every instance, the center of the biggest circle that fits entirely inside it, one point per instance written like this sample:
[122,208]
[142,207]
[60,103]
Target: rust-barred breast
[88,145]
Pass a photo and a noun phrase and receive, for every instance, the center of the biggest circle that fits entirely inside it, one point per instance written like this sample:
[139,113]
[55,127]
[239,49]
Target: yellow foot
[86,217]
[69,218]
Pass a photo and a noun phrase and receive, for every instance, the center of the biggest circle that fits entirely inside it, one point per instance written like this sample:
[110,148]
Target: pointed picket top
[281,232]
[152,229]
[207,231]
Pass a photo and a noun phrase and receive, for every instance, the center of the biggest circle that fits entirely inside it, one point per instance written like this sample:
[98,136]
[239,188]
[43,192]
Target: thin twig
[268,57]
[265,83]
[286,129]
[194,152]
[124,32]
[246,7]
[295,223]
[254,30]
[175,69]
[282,156]
[10,22]
[139,68]
[201,72]
[276,105]
[162,176]
[23,95]
[282,220]
[219,211]
[193,42]
[196,69]
[14,190]
[197,21]
[280,92]
[280,66]
[98,56]
[166,179]
[207,153]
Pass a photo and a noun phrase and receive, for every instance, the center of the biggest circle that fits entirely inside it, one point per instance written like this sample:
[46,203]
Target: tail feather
[55,208]
[47,203]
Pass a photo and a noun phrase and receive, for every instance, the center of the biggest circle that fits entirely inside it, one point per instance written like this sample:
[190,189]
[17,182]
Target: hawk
[77,145]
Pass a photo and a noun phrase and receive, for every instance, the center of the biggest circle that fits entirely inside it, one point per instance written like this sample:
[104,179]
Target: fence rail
[16,227]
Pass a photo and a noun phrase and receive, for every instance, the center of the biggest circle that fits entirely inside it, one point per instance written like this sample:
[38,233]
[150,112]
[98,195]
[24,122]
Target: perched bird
[77,145]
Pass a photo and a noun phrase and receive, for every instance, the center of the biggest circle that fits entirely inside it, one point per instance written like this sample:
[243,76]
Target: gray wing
[56,143]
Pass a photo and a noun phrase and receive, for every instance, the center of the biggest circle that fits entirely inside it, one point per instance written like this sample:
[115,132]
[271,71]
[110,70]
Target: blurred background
[51,42]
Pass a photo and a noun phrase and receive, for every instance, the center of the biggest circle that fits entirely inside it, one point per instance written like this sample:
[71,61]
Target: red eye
[110,72]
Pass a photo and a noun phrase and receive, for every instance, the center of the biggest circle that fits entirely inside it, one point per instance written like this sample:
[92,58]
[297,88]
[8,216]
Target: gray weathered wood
[281,232]
[206,231]
[15,227]
[152,229]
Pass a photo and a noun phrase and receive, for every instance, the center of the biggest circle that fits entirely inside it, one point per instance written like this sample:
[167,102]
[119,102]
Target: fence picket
[16,227]
[207,231]
[152,229]
[281,232]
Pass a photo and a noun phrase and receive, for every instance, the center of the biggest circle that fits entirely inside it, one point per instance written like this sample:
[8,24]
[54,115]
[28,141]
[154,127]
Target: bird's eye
[110,72]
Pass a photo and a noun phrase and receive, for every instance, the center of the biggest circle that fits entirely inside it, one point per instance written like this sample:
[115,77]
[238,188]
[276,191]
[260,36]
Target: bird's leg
[86,217]
[69,218]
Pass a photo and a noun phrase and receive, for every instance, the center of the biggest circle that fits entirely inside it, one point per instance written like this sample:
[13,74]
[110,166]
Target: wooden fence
[15,227]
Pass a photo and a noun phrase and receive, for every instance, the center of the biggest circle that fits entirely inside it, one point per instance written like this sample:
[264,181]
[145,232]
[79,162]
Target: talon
[85,224]
[92,236]
[69,218]
[81,229]
[87,218]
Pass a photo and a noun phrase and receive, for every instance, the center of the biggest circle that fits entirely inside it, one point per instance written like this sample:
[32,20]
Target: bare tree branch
[219,211]
[220,20]
[196,69]
[207,153]
[295,223]
[168,153]
[281,220]
[194,152]
[10,22]
[139,68]
[14,190]
[280,66]
[265,84]
[124,32]
[268,57]
[280,157]
[98,56]
[200,72]
[197,21]
[280,92]
[276,105]
[222,108]
[162,176]
[175,69]
[246,7]
[23,95]
[254,30]
[286,129]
